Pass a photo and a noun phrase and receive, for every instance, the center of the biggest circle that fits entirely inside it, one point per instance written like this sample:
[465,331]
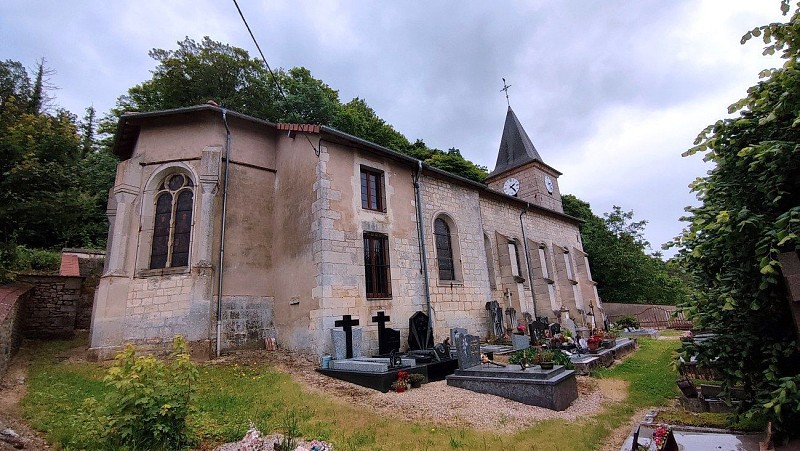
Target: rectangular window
[376,265]
[568,264]
[372,192]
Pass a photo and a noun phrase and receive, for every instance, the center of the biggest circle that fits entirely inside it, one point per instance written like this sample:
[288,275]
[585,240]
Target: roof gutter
[221,265]
[423,252]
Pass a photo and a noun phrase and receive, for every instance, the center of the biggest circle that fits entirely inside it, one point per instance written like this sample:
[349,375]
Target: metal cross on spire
[505,88]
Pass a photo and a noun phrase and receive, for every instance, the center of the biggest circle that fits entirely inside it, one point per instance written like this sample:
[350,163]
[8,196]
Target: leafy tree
[750,213]
[209,70]
[52,192]
[623,270]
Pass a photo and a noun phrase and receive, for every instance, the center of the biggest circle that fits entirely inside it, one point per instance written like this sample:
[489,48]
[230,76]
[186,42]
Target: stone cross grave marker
[468,349]
[418,328]
[346,323]
[388,338]
[496,318]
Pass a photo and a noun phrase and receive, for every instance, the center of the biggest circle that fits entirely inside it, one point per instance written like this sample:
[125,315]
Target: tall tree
[199,71]
[621,266]
[750,213]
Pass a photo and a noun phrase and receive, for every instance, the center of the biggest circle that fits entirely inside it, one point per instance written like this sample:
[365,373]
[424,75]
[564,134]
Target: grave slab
[553,389]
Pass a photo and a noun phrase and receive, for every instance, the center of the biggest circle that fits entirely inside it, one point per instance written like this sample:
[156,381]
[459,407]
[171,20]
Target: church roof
[516,148]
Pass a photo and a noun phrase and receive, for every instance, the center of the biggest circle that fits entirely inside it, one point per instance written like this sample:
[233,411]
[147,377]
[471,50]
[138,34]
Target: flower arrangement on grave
[415,380]
[662,440]
[594,342]
[401,384]
[520,329]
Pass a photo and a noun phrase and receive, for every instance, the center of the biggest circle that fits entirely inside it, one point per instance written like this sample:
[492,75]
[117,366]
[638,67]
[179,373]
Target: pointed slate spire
[516,148]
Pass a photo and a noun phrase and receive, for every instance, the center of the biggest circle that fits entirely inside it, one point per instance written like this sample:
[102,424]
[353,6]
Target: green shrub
[148,407]
[627,321]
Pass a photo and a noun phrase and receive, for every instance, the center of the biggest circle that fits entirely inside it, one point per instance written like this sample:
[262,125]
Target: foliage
[534,356]
[623,270]
[229,394]
[209,70]
[53,181]
[750,213]
[627,321]
[148,404]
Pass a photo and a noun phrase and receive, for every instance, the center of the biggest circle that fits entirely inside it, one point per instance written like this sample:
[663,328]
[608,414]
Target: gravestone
[468,350]
[346,349]
[570,326]
[537,328]
[340,349]
[388,338]
[555,328]
[527,317]
[495,318]
[418,328]
[511,312]
[456,331]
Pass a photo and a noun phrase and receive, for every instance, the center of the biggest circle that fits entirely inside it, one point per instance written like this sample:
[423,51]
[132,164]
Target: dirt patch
[12,390]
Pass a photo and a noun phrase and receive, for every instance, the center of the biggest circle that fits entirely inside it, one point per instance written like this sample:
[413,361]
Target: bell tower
[519,170]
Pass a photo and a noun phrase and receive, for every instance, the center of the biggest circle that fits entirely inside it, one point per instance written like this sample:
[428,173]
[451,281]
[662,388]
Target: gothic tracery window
[173,222]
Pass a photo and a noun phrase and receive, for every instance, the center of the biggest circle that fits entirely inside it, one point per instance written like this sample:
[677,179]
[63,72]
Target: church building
[228,229]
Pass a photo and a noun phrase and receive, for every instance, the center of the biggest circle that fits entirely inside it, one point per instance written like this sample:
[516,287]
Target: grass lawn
[230,395]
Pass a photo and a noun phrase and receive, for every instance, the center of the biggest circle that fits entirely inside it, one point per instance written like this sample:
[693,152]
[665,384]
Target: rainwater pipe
[222,230]
[421,232]
[527,256]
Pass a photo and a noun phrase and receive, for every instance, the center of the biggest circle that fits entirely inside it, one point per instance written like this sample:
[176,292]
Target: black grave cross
[346,323]
[381,319]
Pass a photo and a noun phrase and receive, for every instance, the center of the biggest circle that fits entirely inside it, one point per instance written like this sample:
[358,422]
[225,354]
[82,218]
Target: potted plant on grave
[401,384]
[594,342]
[415,380]
[546,360]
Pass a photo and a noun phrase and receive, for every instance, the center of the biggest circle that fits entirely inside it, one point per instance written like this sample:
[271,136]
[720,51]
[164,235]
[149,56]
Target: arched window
[173,222]
[444,250]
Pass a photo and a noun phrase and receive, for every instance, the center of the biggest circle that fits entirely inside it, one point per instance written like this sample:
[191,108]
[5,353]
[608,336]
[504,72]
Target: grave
[418,328]
[495,319]
[586,363]
[553,389]
[388,338]
[380,372]
[347,340]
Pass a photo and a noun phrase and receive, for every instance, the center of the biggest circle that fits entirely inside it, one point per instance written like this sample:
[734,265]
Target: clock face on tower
[548,183]
[511,187]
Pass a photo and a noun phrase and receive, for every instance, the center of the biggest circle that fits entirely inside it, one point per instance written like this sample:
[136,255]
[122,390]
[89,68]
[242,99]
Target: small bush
[627,321]
[149,405]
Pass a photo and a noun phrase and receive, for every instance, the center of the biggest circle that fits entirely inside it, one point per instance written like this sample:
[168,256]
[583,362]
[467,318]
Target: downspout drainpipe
[222,230]
[421,232]
[527,257]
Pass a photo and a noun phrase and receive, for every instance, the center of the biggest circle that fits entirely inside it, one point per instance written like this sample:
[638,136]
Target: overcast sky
[611,92]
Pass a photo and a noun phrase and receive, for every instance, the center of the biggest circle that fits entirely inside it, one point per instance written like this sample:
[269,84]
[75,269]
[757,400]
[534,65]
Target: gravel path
[440,403]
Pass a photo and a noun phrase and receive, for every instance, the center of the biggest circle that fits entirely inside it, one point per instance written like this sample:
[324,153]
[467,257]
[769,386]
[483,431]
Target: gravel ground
[438,402]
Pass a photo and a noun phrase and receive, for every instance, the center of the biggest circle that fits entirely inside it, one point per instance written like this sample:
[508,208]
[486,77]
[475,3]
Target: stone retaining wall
[53,307]
[13,298]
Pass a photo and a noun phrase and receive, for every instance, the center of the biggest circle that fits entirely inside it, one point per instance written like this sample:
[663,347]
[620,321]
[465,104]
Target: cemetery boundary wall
[13,298]
[649,315]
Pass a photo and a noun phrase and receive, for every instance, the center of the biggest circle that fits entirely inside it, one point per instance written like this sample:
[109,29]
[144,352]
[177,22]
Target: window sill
[162,272]
[369,210]
[389,298]
[449,283]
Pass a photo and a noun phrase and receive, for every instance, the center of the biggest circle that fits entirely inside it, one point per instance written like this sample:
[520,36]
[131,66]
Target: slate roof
[516,148]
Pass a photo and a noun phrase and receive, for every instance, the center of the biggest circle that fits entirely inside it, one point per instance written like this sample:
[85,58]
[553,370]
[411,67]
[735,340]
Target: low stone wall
[53,308]
[13,298]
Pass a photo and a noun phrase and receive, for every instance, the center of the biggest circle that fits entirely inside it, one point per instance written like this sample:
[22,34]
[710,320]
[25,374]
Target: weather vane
[505,88]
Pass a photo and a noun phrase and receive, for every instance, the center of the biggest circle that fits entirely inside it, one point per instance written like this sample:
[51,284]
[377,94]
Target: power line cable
[274,78]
